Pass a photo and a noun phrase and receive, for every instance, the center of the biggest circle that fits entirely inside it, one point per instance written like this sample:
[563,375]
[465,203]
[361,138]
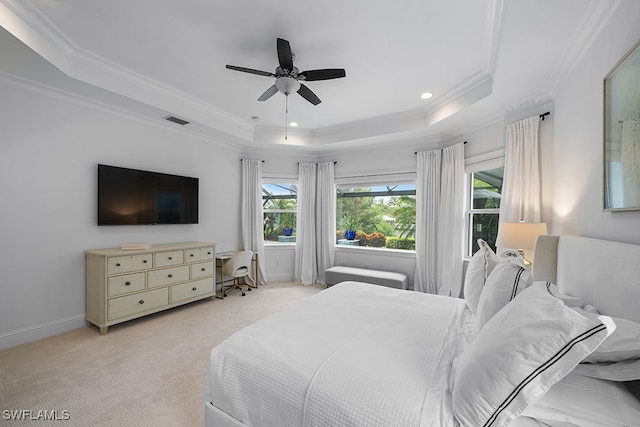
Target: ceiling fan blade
[251,71]
[307,94]
[326,74]
[285,57]
[268,93]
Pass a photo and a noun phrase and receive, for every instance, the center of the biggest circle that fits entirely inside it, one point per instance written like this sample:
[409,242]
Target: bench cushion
[337,274]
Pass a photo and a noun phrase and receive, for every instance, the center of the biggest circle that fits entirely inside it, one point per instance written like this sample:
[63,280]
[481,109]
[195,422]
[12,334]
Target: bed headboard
[601,272]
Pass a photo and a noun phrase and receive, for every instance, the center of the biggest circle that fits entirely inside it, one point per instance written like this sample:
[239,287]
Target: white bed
[363,355]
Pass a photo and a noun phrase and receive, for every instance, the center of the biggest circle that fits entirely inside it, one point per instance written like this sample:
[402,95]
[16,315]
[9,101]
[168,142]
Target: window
[484,207]
[279,203]
[382,216]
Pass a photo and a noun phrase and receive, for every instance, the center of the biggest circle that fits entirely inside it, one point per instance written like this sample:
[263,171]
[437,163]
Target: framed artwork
[622,134]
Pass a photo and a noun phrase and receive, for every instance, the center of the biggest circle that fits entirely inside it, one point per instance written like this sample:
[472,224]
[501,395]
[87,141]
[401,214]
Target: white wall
[49,151]
[578,147]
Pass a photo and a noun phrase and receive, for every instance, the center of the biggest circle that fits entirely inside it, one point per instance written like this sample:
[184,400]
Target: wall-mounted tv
[136,197]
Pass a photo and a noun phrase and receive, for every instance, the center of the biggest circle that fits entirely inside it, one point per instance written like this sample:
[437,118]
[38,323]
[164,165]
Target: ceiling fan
[288,77]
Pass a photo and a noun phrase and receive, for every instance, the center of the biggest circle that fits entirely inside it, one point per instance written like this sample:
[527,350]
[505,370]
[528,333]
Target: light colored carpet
[146,372]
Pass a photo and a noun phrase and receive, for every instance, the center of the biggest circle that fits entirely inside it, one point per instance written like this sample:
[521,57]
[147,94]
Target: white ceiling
[481,59]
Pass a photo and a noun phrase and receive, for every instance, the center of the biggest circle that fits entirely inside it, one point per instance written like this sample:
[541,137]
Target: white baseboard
[38,332]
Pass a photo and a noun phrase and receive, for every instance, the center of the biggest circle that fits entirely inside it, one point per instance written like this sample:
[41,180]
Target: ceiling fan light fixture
[287,85]
[426,95]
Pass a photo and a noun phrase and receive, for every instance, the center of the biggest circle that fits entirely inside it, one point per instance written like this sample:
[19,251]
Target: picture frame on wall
[621,139]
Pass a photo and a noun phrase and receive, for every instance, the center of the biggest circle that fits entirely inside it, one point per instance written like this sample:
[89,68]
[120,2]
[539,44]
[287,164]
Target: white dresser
[124,285]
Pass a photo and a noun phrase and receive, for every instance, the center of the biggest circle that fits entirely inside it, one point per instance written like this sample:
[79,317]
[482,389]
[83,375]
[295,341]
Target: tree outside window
[382,216]
[279,203]
[484,213]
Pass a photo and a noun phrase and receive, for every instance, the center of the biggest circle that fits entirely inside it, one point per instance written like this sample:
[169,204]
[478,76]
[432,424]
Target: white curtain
[315,227]
[439,221]
[521,186]
[305,268]
[427,202]
[325,218]
[252,216]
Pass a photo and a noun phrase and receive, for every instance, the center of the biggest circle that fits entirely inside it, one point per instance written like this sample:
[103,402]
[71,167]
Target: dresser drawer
[167,259]
[125,264]
[202,269]
[118,285]
[192,289]
[136,303]
[199,254]
[167,276]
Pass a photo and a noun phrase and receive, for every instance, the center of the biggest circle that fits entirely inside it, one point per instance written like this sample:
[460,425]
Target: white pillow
[527,347]
[618,357]
[627,370]
[586,402]
[623,344]
[568,300]
[478,269]
[508,279]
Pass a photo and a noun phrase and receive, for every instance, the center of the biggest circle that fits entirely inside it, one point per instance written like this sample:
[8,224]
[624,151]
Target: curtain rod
[335,163]
[415,152]
[542,116]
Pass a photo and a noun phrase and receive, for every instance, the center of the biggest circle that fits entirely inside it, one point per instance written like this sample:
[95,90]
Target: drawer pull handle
[141,301]
[204,269]
[208,253]
[170,258]
[194,289]
[191,255]
[170,275]
[127,283]
[118,264]
[144,261]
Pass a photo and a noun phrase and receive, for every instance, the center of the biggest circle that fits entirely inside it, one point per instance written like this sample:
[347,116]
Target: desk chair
[237,266]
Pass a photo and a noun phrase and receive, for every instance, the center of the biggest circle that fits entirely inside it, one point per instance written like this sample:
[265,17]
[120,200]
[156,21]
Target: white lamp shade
[520,235]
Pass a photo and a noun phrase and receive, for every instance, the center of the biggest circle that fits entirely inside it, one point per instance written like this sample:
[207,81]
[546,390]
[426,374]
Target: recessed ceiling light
[293,124]
[426,95]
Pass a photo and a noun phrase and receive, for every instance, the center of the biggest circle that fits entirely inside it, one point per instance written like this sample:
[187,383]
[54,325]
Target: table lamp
[520,236]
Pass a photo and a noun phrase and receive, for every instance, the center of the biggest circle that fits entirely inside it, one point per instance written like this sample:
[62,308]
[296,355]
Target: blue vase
[288,231]
[350,234]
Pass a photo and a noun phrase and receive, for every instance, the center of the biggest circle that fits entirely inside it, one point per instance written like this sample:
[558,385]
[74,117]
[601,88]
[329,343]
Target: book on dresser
[124,284]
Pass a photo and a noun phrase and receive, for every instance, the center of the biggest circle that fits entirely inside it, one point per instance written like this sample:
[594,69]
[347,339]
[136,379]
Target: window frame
[276,181]
[489,161]
[390,182]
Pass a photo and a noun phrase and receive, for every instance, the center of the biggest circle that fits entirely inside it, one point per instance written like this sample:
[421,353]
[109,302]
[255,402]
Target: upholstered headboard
[601,272]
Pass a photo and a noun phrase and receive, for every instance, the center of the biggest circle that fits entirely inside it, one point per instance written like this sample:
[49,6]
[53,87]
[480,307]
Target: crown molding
[594,20]
[494,23]
[27,24]
[204,134]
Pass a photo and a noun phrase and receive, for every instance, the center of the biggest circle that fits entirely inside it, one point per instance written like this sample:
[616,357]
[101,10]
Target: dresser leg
[103,330]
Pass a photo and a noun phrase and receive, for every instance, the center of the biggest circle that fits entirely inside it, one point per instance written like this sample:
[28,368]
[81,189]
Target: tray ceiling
[480,59]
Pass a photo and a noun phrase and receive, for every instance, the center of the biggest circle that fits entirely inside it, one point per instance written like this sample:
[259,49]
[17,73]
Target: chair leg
[236,283]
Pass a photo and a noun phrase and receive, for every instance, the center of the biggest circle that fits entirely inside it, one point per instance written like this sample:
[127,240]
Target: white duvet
[352,355]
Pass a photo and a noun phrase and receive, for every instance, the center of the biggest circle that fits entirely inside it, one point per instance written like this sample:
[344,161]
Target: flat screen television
[136,197]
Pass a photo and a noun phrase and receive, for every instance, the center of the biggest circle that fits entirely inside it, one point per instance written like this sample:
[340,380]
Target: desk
[221,258]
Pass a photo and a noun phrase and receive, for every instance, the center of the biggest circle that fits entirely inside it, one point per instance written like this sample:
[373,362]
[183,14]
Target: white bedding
[332,370]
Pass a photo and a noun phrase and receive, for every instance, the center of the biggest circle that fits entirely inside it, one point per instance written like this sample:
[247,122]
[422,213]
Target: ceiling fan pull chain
[286,115]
